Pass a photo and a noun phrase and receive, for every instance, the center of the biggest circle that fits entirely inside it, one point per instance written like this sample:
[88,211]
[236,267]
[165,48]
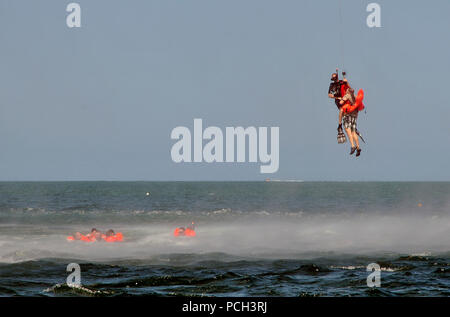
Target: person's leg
[350,137]
[340,116]
[358,149]
[348,130]
[355,137]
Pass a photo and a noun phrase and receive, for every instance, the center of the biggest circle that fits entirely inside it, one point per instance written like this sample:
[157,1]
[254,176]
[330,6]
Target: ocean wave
[76,290]
[318,277]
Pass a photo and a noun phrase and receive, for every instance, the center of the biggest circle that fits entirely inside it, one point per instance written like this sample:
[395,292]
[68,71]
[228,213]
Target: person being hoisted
[350,107]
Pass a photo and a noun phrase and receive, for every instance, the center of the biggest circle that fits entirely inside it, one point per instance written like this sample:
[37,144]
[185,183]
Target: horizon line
[232,181]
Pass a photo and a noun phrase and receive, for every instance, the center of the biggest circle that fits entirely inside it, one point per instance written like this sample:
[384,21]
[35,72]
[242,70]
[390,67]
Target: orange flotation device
[189,232]
[115,238]
[186,232]
[178,232]
[88,238]
[358,105]
[82,238]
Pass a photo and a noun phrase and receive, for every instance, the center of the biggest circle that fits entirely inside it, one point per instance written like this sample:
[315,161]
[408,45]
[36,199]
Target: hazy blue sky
[99,102]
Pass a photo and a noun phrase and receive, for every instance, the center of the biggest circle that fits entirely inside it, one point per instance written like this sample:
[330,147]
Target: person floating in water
[96,235]
[111,236]
[189,231]
[76,236]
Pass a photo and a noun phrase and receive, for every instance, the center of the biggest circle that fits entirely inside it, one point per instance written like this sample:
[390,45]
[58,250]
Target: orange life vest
[177,232]
[115,238]
[358,105]
[187,232]
[83,238]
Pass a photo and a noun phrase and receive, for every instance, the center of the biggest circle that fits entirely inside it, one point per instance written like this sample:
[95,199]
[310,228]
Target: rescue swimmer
[349,107]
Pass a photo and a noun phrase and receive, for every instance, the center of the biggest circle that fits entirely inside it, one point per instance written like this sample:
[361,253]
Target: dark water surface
[253,238]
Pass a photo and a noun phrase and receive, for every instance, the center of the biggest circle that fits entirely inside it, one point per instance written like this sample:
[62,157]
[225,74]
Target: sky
[99,102]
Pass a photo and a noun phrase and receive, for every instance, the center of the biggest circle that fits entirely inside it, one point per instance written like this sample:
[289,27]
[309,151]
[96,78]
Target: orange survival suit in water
[82,237]
[184,232]
[114,238]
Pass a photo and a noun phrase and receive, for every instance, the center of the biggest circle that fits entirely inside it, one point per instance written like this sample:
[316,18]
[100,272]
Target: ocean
[252,238]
